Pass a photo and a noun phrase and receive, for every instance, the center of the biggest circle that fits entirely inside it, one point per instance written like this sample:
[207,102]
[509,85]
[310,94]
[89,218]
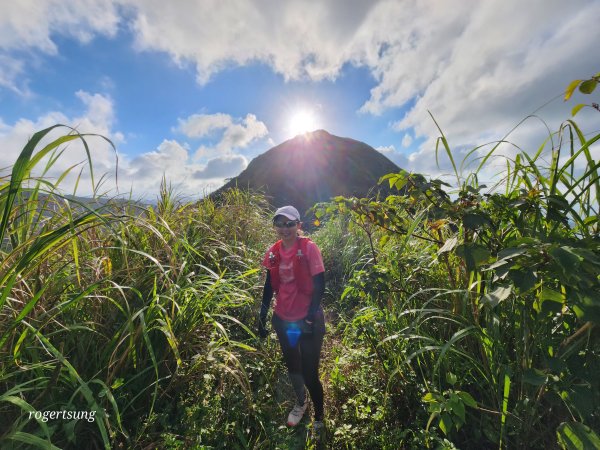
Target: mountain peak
[310,139]
[314,167]
[311,135]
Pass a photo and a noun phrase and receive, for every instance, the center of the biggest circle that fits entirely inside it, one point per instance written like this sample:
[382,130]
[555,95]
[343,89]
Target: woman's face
[286,229]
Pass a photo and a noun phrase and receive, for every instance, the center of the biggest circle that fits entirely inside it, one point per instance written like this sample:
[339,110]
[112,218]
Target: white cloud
[200,125]
[28,25]
[478,67]
[407,140]
[171,160]
[142,174]
[493,78]
[297,39]
[242,134]
[232,133]
[11,70]
[99,115]
[386,149]
[222,167]
[96,118]
[485,51]
[394,155]
[168,156]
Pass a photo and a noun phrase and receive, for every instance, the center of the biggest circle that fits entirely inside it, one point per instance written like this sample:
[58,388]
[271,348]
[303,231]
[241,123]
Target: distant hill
[51,203]
[312,168]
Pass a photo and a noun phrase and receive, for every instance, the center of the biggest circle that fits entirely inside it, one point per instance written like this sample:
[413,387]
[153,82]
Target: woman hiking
[296,275]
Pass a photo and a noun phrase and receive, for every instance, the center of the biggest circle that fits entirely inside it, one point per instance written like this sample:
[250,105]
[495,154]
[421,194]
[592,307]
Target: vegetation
[459,316]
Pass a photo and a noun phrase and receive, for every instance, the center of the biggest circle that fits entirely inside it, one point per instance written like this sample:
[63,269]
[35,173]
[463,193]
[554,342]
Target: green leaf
[474,255]
[449,245]
[467,399]
[579,399]
[428,398]
[551,301]
[445,423]
[586,305]
[400,183]
[473,221]
[117,383]
[587,256]
[568,260]
[511,252]
[524,279]
[579,312]
[32,440]
[458,408]
[501,263]
[451,379]
[571,88]
[558,202]
[535,377]
[588,86]
[384,240]
[550,295]
[496,296]
[506,256]
[577,108]
[577,436]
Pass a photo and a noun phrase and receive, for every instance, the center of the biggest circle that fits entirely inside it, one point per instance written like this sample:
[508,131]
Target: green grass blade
[18,173]
[86,391]
[31,440]
[446,147]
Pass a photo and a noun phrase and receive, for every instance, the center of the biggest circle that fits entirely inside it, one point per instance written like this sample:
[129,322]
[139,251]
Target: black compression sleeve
[266,298]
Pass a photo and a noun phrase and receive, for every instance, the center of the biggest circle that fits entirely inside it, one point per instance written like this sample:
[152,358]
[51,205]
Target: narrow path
[299,437]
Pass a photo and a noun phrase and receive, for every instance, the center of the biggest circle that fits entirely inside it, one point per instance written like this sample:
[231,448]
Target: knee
[311,375]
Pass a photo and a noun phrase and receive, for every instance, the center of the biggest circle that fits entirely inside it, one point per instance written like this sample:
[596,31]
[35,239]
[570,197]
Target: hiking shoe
[296,414]
[318,430]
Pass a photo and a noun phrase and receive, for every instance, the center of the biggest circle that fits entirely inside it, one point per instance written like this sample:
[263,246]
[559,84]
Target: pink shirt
[290,304]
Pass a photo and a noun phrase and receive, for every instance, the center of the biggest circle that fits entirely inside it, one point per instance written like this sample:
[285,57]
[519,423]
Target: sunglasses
[288,224]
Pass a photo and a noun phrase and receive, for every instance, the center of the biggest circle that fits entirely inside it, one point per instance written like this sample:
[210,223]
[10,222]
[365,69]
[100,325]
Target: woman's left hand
[307,326]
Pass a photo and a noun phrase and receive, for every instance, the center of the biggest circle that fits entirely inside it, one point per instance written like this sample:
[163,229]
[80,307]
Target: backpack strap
[304,245]
[277,247]
[302,269]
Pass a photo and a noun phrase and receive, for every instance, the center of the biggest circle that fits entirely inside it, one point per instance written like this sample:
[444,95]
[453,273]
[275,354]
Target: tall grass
[119,310]
[481,311]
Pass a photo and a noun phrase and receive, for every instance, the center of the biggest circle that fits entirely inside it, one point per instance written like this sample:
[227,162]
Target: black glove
[307,325]
[262,330]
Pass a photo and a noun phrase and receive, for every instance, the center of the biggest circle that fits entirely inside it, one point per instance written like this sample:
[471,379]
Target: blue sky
[195,90]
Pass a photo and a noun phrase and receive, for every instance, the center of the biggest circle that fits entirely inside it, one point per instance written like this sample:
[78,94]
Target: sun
[302,122]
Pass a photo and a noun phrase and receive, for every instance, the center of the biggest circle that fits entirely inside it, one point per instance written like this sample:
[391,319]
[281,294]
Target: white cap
[288,211]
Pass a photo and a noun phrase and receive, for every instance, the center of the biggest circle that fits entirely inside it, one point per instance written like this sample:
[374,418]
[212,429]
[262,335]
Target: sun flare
[302,122]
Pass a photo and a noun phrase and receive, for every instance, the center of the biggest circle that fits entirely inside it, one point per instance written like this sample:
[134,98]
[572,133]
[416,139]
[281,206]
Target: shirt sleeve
[315,260]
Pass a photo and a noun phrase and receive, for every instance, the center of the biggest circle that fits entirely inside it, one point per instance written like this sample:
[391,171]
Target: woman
[297,277]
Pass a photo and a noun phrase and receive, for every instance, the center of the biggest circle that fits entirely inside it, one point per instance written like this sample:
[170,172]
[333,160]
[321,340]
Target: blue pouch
[293,333]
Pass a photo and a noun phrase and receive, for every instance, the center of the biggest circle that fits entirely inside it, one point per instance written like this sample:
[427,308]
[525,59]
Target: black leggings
[302,356]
